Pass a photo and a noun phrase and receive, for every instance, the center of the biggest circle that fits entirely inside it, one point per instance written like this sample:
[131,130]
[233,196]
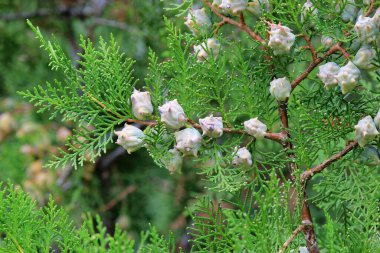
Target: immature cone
[130,138]
[141,104]
[212,126]
[366,29]
[365,131]
[188,141]
[205,49]
[364,57]
[234,6]
[257,7]
[366,2]
[280,88]
[172,115]
[175,161]
[281,39]
[308,9]
[370,156]
[303,250]
[7,123]
[327,41]
[198,21]
[376,17]
[377,120]
[349,12]
[242,158]
[255,128]
[348,77]
[327,73]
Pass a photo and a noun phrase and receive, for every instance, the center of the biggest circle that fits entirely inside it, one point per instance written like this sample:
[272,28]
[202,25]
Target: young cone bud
[348,77]
[365,131]
[308,10]
[327,73]
[257,7]
[366,29]
[172,115]
[205,49]
[280,88]
[212,126]
[281,39]
[188,141]
[141,104]
[198,21]
[255,128]
[327,41]
[234,6]
[175,161]
[370,156]
[130,138]
[364,57]
[377,120]
[349,12]
[376,18]
[242,158]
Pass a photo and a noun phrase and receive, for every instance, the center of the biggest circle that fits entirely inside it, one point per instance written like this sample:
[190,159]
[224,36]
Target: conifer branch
[241,25]
[305,176]
[370,9]
[314,64]
[13,239]
[310,47]
[307,220]
[278,137]
[122,195]
[299,229]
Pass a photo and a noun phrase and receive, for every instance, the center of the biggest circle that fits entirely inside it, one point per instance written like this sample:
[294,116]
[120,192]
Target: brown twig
[311,47]
[241,25]
[220,24]
[370,9]
[122,195]
[299,229]
[344,52]
[305,176]
[283,111]
[278,137]
[314,64]
[310,236]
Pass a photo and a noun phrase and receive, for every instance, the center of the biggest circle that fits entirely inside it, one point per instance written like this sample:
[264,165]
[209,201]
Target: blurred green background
[129,190]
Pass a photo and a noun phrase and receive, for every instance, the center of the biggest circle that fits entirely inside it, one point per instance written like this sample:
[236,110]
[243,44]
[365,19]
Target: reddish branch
[311,47]
[314,64]
[122,195]
[241,25]
[371,8]
[305,176]
[278,137]
[310,237]
[299,229]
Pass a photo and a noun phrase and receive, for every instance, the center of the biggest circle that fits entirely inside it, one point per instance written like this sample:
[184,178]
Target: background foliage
[209,206]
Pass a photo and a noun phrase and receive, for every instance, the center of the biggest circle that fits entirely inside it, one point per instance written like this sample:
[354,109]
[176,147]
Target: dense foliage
[295,156]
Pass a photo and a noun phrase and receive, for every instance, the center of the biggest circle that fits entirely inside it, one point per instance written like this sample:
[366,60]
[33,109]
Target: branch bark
[299,229]
[305,176]
[278,137]
[314,64]
[241,25]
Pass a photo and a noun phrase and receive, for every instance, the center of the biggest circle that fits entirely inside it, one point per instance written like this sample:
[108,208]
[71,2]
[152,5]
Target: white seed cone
[188,141]
[172,115]
[255,128]
[365,131]
[242,158]
[141,104]
[130,138]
